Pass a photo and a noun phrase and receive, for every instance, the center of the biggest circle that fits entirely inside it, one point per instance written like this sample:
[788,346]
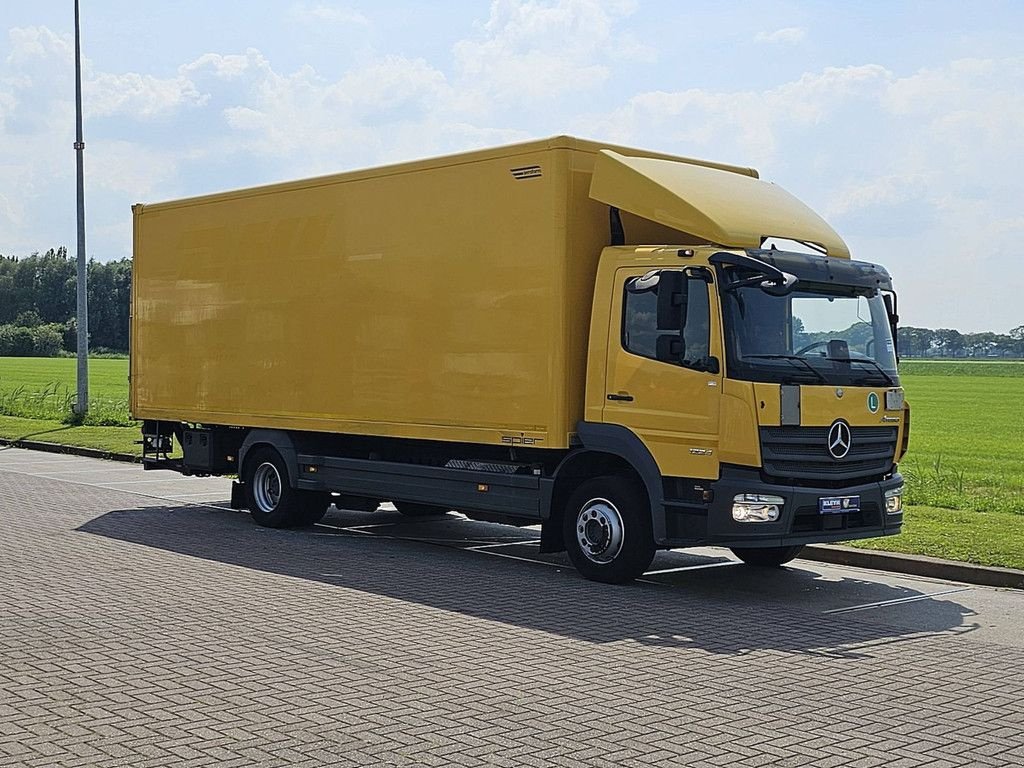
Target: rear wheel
[271,499]
[607,530]
[353,503]
[415,509]
[767,557]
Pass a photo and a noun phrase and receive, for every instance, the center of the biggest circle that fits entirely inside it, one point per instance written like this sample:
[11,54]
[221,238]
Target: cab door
[663,375]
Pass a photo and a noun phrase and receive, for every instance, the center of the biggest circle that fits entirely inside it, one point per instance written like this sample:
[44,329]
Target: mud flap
[551,536]
[237,495]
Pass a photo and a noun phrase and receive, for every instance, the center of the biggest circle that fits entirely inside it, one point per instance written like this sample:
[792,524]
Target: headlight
[756,508]
[894,500]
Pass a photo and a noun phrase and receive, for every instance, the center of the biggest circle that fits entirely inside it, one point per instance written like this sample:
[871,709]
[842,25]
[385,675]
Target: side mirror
[669,348]
[711,364]
[780,288]
[644,283]
[894,318]
[672,297]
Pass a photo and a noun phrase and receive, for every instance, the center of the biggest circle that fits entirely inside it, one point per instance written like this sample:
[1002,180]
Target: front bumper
[799,522]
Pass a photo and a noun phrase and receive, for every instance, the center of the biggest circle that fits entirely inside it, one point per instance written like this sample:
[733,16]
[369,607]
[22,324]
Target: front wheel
[767,557]
[607,530]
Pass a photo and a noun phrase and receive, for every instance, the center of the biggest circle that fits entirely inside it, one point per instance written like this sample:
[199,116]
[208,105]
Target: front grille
[800,455]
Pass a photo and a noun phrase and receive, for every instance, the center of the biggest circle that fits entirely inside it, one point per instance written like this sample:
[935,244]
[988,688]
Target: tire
[270,497]
[314,506]
[607,530]
[354,503]
[415,509]
[767,557]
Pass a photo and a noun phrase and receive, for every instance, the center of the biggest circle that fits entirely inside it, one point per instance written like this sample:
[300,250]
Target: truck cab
[758,385]
[762,383]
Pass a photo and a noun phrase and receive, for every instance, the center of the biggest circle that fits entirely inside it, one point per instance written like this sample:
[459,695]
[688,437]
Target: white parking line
[217,495]
[898,601]
[505,544]
[513,557]
[137,482]
[692,567]
[92,471]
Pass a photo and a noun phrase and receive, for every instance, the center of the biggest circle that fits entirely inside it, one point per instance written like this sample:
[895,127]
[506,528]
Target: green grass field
[964,470]
[44,388]
[966,441]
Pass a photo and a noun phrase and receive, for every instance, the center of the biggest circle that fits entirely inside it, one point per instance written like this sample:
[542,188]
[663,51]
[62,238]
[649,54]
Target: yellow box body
[445,299]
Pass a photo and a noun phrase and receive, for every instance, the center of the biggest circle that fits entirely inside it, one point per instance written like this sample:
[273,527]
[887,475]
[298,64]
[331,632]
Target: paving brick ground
[136,631]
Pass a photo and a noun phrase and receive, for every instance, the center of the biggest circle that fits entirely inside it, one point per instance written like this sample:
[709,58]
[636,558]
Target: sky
[902,123]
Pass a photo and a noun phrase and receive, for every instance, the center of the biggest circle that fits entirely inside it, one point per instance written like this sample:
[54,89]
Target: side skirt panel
[516,495]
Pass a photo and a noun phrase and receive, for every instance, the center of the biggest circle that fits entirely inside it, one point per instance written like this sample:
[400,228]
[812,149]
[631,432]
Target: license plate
[837,505]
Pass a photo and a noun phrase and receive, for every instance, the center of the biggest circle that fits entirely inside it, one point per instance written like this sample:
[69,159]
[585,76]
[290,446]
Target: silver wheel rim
[599,531]
[266,487]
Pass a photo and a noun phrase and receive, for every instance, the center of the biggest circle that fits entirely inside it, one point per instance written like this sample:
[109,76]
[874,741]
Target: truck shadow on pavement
[494,572]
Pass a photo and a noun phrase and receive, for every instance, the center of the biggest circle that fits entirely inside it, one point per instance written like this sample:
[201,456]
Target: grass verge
[113,439]
[984,538]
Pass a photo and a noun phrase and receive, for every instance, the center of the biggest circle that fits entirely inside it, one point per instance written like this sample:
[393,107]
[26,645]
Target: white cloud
[36,133]
[744,126]
[227,66]
[138,96]
[784,36]
[533,51]
[317,124]
[128,168]
[29,44]
[877,192]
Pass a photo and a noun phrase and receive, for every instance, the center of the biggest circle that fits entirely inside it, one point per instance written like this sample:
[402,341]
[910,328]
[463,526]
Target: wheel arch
[277,439]
[608,449]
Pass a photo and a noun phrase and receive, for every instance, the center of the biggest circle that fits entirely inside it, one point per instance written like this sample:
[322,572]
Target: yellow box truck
[603,340]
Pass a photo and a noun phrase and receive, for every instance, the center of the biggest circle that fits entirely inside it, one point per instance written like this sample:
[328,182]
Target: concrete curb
[73,450]
[916,565]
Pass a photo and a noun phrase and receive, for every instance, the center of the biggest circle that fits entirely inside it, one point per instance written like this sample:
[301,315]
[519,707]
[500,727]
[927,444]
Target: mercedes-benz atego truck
[633,350]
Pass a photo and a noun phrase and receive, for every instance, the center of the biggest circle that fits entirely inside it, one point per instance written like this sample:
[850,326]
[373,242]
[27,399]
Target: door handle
[623,396]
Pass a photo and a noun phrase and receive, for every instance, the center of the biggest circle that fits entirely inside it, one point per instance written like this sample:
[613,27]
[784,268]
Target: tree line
[946,342]
[38,303]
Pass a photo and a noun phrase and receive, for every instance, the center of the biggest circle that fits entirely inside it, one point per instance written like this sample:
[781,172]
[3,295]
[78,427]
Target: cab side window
[640,326]
[670,322]
[697,328]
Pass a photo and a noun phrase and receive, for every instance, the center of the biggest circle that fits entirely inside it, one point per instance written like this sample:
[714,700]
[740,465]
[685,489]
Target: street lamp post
[82,401]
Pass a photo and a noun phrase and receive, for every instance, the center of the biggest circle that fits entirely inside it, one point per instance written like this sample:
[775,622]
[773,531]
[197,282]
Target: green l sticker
[873,402]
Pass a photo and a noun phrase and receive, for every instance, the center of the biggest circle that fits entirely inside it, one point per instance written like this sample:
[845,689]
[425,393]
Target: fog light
[756,508]
[894,500]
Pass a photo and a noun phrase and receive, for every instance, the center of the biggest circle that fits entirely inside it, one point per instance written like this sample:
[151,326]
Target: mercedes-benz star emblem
[839,439]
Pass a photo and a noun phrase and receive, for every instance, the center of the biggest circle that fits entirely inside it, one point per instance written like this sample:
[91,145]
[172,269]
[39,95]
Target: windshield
[817,334]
